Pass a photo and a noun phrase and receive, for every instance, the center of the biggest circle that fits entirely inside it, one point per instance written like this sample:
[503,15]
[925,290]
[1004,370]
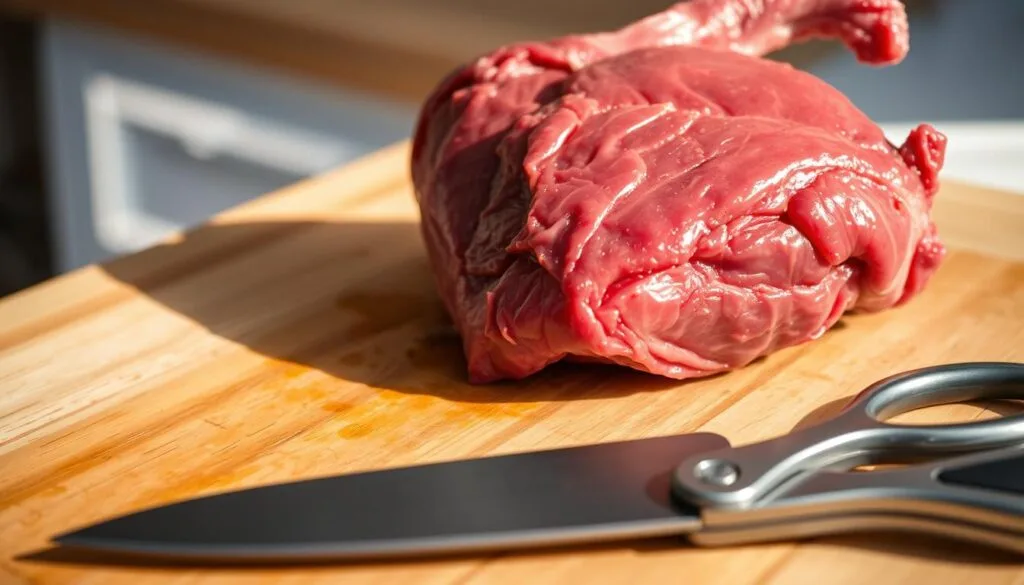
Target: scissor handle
[742,476]
[978,497]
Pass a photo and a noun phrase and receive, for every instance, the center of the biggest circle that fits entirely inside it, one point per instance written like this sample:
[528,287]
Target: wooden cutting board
[299,336]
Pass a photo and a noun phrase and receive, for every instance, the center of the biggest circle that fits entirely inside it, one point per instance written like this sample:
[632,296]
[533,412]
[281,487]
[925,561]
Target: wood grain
[300,336]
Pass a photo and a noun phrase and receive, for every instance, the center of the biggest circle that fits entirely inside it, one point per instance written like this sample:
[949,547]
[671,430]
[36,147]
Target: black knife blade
[560,496]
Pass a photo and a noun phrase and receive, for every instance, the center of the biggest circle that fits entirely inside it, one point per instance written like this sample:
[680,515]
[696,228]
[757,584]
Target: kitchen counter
[299,335]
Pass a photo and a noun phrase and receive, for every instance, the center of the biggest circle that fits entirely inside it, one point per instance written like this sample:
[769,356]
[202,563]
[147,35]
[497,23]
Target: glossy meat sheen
[662,198]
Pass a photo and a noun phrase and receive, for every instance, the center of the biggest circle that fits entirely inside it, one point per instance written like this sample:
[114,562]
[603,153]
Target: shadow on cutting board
[353,300]
[356,301]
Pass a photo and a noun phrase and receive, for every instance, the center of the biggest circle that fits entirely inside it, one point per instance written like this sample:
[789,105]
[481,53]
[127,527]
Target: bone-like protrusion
[875,30]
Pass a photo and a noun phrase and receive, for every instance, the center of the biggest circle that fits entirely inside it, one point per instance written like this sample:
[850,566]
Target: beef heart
[665,198]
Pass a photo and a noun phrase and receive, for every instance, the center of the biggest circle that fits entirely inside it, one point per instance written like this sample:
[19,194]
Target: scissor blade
[562,496]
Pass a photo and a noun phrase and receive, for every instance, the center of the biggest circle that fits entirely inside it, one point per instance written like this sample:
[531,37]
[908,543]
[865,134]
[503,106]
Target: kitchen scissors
[964,479]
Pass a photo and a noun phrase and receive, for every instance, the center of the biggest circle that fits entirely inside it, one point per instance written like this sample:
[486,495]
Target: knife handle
[977,497]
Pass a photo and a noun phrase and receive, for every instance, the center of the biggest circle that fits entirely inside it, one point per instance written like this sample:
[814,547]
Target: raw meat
[662,198]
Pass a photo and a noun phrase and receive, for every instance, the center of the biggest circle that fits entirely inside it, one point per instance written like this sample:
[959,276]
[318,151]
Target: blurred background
[124,120]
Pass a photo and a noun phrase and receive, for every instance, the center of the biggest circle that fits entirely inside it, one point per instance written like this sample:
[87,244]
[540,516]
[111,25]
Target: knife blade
[523,500]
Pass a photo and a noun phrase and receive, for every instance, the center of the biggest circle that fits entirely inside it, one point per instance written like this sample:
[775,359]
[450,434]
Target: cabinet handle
[205,129]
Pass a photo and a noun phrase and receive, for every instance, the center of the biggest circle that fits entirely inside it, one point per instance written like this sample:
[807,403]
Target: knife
[963,481]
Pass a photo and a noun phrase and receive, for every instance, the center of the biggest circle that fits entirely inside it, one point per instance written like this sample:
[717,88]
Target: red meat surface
[663,198]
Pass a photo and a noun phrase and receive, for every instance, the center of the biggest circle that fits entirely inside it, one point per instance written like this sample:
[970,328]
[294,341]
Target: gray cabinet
[146,139]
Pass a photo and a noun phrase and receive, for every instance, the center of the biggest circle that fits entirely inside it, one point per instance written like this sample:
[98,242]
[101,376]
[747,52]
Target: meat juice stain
[439,366]
[337,406]
[376,312]
[383,415]
[297,383]
[388,422]
[286,369]
[389,412]
[355,430]
[382,310]
[435,364]
[438,352]
[353,359]
[193,486]
[305,394]
[379,311]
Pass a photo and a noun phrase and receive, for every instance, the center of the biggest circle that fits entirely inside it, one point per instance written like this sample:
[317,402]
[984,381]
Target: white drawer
[146,140]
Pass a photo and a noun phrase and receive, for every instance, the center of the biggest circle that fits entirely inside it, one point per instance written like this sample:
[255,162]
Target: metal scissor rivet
[717,472]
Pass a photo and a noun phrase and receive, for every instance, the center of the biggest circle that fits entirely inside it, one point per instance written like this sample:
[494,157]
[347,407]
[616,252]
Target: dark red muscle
[663,198]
